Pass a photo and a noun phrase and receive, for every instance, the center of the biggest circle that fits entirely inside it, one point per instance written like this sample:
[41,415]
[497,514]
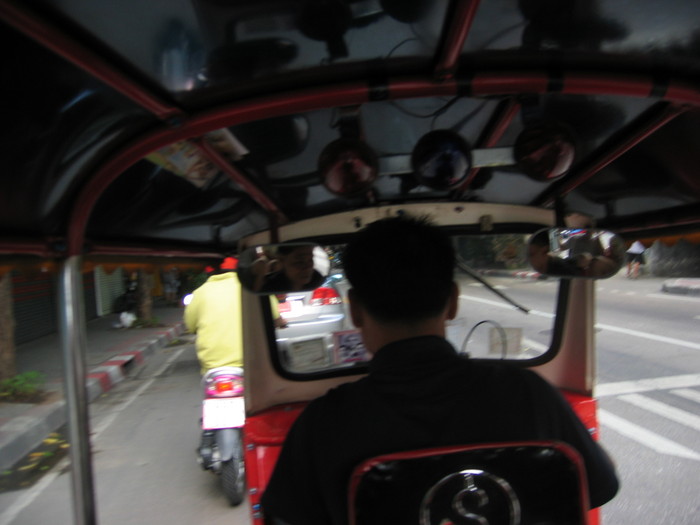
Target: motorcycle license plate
[227,412]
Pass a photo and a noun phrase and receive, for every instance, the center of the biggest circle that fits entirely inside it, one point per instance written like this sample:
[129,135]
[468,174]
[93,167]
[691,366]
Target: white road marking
[9,514]
[664,410]
[647,335]
[645,385]
[611,328]
[687,393]
[531,344]
[502,304]
[674,297]
[107,421]
[645,437]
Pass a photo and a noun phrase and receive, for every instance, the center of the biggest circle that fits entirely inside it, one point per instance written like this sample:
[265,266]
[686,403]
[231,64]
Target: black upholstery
[529,483]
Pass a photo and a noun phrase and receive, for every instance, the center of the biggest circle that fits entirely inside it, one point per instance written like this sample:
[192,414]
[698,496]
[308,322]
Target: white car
[317,327]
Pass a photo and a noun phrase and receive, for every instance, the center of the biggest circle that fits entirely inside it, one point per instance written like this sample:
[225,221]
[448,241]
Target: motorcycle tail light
[324,295]
[225,386]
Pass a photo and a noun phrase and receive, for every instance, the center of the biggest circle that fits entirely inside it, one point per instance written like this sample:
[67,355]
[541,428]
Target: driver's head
[538,251]
[297,263]
[401,269]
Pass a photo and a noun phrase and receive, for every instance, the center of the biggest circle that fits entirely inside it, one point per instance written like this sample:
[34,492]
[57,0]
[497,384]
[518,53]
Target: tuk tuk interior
[199,129]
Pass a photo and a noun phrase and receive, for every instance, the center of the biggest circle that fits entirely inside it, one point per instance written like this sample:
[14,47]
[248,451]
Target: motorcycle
[223,418]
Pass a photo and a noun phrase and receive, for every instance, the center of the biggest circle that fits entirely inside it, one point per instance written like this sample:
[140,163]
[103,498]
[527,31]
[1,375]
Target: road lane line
[8,515]
[503,304]
[645,437]
[663,409]
[647,335]
[626,331]
[646,385]
[687,393]
[674,297]
[116,411]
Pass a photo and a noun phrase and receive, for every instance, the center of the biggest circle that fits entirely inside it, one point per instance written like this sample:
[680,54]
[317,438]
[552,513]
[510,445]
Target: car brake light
[324,295]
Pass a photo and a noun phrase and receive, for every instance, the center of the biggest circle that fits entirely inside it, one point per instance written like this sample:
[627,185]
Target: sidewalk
[111,352]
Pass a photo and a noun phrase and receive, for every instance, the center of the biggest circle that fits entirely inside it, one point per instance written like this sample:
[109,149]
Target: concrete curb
[516,274]
[21,434]
[682,286]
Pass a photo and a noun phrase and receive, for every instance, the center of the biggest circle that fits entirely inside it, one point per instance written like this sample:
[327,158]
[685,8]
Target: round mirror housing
[348,167]
[441,159]
[544,152]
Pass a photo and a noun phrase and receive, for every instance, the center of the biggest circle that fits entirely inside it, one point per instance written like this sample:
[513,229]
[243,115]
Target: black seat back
[528,483]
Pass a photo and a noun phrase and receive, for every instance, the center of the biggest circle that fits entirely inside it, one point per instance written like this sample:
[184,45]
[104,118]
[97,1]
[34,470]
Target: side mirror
[576,252]
[283,268]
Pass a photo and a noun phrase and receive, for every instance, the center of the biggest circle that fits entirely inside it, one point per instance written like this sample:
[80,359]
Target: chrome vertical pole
[74,346]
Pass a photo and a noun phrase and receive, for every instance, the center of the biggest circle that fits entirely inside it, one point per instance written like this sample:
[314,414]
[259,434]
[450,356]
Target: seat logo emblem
[470,497]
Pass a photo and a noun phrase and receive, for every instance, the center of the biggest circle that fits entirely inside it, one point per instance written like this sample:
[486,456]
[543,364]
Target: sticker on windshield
[308,354]
[348,347]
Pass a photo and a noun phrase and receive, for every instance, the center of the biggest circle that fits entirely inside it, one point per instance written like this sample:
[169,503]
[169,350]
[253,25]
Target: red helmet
[229,263]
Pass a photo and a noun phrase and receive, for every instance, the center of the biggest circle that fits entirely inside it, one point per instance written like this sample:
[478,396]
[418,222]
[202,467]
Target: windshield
[506,310]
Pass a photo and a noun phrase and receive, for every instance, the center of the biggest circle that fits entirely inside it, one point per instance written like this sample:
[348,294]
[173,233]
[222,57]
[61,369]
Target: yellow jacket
[214,314]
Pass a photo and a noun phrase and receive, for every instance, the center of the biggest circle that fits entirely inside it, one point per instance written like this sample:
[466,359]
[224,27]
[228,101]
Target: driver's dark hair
[401,269]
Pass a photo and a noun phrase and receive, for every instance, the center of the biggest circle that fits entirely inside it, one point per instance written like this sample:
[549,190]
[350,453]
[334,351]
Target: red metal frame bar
[495,83]
[458,28]
[63,45]
[239,178]
[649,122]
[27,247]
[680,216]
[497,126]
[100,249]
[195,127]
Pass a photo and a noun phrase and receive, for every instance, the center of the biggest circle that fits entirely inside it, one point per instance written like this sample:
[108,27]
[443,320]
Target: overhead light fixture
[348,167]
[545,151]
[441,159]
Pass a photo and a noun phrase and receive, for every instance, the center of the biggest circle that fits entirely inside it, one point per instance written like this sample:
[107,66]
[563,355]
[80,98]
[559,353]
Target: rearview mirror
[283,268]
[576,252]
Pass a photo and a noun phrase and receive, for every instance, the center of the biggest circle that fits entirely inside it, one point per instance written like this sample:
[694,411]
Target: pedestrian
[171,285]
[635,258]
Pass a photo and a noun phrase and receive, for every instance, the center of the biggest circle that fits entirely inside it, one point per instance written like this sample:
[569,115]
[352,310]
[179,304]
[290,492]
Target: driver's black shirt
[419,393]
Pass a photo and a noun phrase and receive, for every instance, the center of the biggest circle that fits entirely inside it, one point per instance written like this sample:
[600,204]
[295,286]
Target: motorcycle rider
[214,315]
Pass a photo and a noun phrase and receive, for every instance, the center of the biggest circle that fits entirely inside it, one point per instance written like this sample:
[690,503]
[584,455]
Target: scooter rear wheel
[233,479]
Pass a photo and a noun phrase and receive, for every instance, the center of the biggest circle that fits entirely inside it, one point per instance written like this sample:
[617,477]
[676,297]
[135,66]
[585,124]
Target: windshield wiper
[472,273]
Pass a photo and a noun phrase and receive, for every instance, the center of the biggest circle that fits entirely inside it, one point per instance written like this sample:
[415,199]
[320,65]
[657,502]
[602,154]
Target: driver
[419,392]
[293,270]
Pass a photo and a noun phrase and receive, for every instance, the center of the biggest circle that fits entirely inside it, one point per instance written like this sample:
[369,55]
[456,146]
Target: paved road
[144,434]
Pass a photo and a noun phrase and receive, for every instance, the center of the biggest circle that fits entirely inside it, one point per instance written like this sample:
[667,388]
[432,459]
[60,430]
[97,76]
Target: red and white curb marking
[102,378]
